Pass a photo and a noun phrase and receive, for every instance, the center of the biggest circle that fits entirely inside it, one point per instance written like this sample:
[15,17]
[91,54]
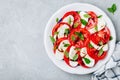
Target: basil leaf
[73,38]
[69,20]
[87,61]
[52,39]
[90,45]
[75,25]
[75,57]
[80,35]
[100,43]
[112,9]
[66,45]
[111,38]
[84,22]
[78,49]
[66,54]
[86,15]
[100,52]
[57,19]
[99,16]
[78,12]
[96,28]
[56,33]
[67,31]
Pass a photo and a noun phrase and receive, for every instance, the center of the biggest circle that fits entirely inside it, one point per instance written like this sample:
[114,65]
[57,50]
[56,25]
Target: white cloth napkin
[111,70]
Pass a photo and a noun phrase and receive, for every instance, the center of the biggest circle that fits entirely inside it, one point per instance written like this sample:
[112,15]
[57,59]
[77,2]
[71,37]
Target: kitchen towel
[111,70]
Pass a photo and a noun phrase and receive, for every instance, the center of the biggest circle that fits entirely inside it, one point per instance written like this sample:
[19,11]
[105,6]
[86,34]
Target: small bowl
[49,46]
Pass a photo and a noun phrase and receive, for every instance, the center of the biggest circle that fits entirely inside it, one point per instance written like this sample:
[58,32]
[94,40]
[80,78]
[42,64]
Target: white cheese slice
[61,30]
[105,48]
[83,52]
[73,63]
[72,52]
[92,61]
[92,30]
[61,45]
[66,19]
[101,23]
[59,55]
[94,45]
[83,17]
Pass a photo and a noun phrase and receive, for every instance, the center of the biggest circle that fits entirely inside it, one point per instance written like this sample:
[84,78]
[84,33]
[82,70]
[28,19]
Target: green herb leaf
[90,45]
[57,19]
[73,38]
[100,43]
[75,57]
[112,9]
[66,54]
[66,45]
[86,15]
[67,31]
[69,20]
[111,38]
[52,39]
[84,22]
[75,25]
[56,33]
[96,28]
[80,35]
[99,16]
[100,52]
[78,49]
[78,12]
[87,60]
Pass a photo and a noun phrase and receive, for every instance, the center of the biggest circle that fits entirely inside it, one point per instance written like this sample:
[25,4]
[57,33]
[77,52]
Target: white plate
[48,45]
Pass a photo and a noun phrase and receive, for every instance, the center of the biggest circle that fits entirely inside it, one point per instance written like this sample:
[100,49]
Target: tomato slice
[103,35]
[58,25]
[76,18]
[56,44]
[67,60]
[79,37]
[94,54]
[92,22]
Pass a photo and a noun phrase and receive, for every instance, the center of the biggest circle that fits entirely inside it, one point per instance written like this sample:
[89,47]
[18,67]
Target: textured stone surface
[22,53]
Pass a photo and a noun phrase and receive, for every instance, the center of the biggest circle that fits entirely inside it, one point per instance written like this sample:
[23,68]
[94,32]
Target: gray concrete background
[22,53]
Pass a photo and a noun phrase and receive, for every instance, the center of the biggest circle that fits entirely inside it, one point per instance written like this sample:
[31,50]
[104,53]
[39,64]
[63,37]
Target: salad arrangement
[80,38]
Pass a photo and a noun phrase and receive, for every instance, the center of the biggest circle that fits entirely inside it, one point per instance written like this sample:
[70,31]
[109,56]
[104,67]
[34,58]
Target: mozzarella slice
[92,61]
[94,45]
[73,63]
[66,19]
[82,17]
[92,30]
[72,52]
[83,52]
[61,46]
[105,48]
[59,55]
[101,23]
[61,30]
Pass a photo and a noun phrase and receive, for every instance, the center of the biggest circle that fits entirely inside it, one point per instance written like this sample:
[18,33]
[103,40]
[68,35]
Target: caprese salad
[80,38]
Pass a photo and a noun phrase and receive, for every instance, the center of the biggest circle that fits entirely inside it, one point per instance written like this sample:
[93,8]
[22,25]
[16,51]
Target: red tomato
[67,60]
[56,44]
[94,54]
[57,26]
[103,35]
[92,22]
[77,40]
[75,15]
